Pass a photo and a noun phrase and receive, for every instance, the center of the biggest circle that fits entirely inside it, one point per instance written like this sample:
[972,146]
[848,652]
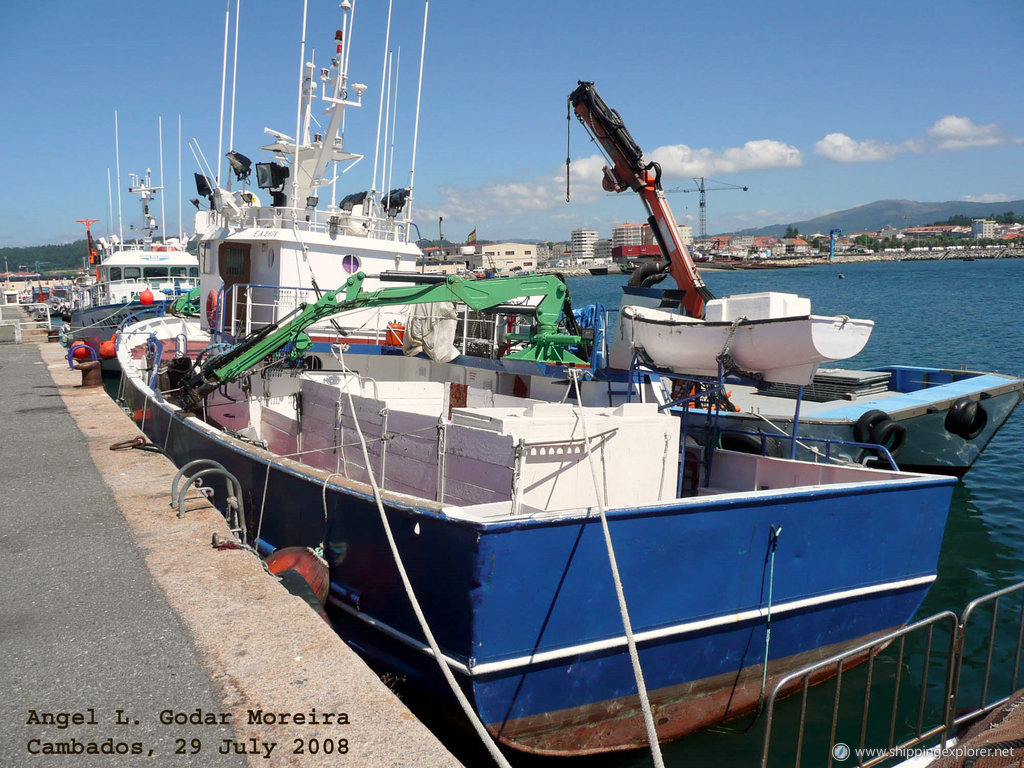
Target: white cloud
[991,197]
[953,132]
[681,161]
[842,149]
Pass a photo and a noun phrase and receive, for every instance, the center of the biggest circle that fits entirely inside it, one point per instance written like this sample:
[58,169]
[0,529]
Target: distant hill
[69,256]
[893,213]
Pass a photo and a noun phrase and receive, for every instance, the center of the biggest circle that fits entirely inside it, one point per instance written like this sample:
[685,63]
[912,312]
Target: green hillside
[890,213]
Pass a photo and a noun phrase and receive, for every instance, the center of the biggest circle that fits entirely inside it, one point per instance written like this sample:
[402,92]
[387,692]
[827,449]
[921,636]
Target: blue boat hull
[525,612]
[919,399]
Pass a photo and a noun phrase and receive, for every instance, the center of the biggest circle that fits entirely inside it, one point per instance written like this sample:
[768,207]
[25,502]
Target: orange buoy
[80,350]
[107,349]
[306,563]
[395,335]
[146,297]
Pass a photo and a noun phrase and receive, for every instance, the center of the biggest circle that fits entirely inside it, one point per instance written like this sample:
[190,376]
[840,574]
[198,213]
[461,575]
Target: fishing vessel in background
[132,279]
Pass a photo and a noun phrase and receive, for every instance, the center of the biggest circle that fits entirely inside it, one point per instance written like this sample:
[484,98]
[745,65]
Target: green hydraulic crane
[545,344]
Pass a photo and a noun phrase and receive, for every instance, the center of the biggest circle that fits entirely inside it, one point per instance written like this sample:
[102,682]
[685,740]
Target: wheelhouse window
[179,271]
[114,273]
[233,258]
[132,273]
[155,273]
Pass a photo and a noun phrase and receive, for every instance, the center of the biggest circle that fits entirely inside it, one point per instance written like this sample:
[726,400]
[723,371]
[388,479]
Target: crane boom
[628,170]
[545,344]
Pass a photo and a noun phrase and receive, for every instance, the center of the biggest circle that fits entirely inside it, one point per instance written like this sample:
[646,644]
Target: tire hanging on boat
[741,443]
[966,418]
[878,427]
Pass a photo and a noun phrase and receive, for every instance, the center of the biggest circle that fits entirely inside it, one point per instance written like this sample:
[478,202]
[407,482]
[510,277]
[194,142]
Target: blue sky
[815,106]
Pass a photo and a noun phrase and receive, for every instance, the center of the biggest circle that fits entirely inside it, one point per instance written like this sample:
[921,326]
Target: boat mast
[163,212]
[180,238]
[223,85]
[234,83]
[117,160]
[380,108]
[394,118]
[416,124]
[298,109]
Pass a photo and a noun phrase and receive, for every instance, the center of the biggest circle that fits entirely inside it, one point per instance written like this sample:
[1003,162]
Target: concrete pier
[123,631]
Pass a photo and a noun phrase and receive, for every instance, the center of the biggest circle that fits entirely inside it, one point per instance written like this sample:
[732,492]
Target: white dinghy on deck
[772,335]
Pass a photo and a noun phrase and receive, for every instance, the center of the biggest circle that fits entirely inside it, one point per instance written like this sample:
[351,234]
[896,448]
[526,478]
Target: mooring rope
[641,688]
[474,720]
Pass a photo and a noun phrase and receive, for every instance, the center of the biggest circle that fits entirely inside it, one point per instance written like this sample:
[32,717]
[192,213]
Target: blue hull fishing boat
[507,514]
[510,530]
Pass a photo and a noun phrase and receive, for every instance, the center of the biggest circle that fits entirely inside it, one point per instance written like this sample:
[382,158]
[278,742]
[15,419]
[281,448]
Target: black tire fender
[741,443]
[878,427]
[966,418]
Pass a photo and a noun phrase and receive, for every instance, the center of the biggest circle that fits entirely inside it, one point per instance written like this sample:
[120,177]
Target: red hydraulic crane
[628,171]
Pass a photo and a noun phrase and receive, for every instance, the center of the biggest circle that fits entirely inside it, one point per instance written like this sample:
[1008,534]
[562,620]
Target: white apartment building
[581,247]
[630,234]
[983,228]
[502,257]
[640,234]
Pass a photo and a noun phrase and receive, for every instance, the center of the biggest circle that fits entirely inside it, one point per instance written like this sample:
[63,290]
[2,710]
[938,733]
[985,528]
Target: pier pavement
[126,635]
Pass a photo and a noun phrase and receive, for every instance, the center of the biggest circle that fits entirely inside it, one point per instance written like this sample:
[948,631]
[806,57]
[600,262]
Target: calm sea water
[945,314]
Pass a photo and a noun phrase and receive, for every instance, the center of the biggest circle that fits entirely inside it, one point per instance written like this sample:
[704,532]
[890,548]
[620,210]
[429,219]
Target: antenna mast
[298,109]
[163,213]
[223,85]
[416,124]
[380,108]
[117,159]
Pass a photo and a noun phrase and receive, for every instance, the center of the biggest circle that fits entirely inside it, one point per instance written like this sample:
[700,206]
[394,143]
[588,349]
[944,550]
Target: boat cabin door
[234,262]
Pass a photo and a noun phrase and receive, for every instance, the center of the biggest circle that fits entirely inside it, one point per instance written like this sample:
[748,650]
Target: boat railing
[243,308]
[27,316]
[329,222]
[248,307]
[897,695]
[762,439]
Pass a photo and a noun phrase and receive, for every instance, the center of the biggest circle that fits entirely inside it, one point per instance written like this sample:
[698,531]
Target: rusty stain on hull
[617,724]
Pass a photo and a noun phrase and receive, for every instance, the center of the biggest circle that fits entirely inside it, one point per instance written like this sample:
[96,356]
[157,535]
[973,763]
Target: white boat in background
[131,278]
[773,336]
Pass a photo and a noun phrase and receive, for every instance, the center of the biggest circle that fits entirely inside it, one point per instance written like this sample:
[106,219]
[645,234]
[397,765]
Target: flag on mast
[471,238]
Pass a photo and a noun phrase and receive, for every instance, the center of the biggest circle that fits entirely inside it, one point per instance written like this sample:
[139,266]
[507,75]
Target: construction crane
[703,189]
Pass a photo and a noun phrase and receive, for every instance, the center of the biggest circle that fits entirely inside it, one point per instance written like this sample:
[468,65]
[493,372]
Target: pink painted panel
[280,432]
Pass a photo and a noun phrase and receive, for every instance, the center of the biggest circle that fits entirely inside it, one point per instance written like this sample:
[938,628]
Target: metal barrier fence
[922,673]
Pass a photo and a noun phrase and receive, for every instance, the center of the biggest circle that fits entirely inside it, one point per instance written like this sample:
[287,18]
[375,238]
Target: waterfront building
[581,245]
[983,228]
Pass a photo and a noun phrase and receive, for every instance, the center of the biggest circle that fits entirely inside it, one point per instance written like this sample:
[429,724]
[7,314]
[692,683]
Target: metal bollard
[92,374]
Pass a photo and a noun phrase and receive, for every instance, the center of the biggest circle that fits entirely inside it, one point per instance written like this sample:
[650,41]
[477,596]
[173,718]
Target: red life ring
[211,308]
